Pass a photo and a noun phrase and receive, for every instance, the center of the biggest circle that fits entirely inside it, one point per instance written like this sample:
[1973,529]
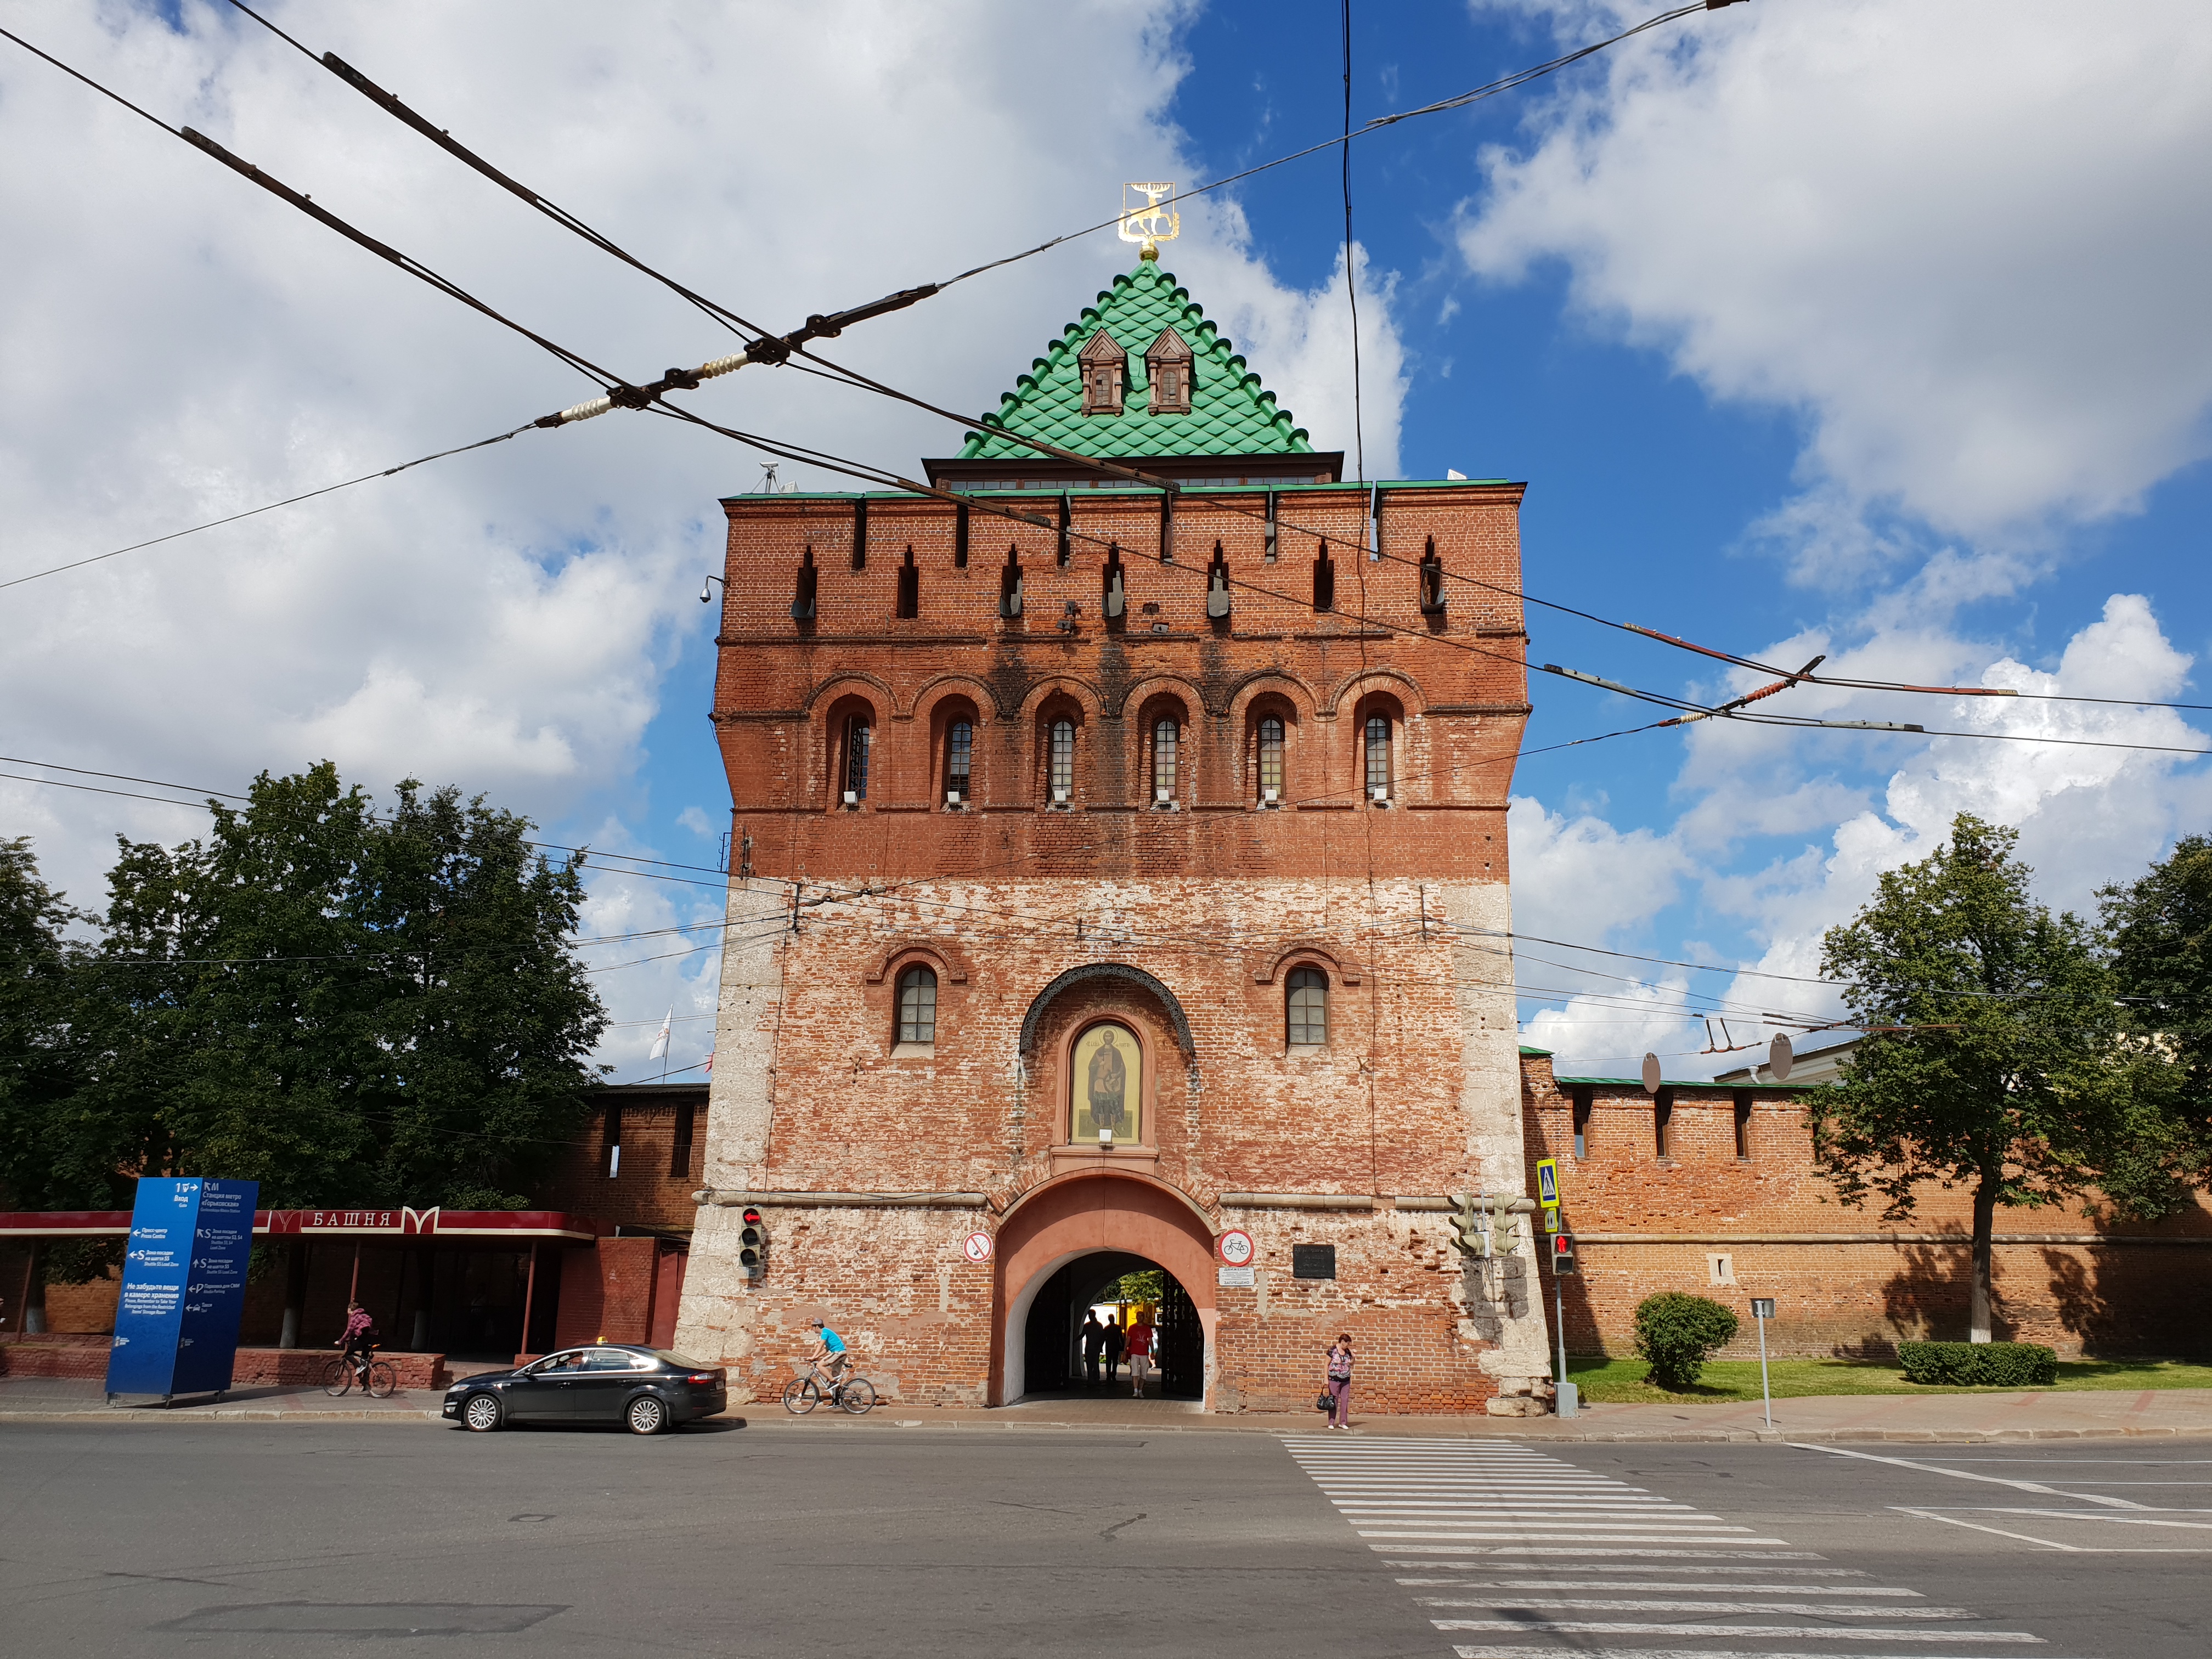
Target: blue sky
[1862,326]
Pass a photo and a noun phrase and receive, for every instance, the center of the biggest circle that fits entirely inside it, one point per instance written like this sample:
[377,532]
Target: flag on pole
[710,1065]
[660,1050]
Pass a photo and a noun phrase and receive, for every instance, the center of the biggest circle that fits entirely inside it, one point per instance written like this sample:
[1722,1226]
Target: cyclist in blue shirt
[828,1354]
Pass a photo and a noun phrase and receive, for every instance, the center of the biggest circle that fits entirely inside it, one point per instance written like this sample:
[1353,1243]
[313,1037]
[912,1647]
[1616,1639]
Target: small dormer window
[1105,373]
[1168,363]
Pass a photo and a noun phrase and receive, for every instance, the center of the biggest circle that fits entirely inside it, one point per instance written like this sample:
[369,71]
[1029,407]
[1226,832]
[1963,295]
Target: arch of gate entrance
[1081,1213]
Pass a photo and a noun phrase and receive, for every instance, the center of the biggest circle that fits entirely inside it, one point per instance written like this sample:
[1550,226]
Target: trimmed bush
[1979,1364]
[1677,1333]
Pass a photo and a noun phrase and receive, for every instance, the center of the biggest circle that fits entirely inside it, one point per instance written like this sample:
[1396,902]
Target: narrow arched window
[1306,1008]
[959,758]
[1166,759]
[1271,758]
[917,1006]
[1062,761]
[857,733]
[1378,740]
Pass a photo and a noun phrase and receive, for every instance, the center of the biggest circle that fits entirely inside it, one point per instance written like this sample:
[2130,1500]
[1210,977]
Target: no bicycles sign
[977,1246]
[1236,1247]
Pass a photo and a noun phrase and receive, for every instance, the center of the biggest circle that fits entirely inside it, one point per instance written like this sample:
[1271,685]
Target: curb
[215,1414]
[1483,1429]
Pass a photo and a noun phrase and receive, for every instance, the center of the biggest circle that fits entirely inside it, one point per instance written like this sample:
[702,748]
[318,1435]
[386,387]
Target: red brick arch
[1077,1214]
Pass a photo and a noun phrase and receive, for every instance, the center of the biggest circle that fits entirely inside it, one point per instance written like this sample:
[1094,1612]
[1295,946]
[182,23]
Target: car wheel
[647,1414]
[482,1414]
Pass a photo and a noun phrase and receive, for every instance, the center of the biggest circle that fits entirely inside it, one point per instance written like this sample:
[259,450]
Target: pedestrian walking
[1114,1345]
[1094,1340]
[1140,1355]
[1339,1382]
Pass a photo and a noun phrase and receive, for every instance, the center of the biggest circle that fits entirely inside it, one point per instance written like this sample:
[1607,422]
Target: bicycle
[855,1395]
[378,1378]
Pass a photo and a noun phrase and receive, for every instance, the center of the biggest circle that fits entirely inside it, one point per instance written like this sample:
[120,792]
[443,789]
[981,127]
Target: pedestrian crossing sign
[1547,1183]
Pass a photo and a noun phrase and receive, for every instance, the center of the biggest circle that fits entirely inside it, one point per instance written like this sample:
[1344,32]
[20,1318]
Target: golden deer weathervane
[1155,222]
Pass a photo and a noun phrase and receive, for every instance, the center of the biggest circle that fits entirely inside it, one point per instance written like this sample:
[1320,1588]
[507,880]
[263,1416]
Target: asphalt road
[844,1538]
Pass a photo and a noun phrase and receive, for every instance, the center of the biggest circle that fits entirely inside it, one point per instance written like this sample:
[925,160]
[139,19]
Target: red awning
[473,1226]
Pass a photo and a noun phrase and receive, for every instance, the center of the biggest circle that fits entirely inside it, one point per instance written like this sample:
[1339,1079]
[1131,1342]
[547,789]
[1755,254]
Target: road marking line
[1802,1632]
[1803,1609]
[1553,1549]
[1463,1652]
[1967,1475]
[1663,1584]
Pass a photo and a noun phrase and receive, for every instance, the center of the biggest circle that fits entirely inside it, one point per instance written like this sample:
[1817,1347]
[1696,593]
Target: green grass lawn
[1621,1382]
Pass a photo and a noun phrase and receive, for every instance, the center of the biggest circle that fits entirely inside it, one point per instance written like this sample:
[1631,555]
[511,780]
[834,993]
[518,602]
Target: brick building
[1711,1187]
[1105,887]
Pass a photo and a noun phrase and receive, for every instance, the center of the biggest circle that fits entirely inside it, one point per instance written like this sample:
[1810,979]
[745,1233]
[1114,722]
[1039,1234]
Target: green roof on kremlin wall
[1230,413]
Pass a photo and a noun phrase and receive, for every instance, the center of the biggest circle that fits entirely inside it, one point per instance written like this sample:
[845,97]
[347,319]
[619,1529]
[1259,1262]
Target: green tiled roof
[1230,414]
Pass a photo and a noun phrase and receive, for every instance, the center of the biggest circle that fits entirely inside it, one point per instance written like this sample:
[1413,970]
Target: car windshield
[681,1363]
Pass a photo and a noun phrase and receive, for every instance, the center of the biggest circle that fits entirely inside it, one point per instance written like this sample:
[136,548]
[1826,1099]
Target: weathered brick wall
[1844,1280]
[647,1191]
[1213,903]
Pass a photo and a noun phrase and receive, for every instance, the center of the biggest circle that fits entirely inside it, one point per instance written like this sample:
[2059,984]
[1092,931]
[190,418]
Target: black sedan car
[644,1390]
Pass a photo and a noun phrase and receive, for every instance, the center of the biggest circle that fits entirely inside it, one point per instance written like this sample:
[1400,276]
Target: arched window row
[1305,1027]
[1165,758]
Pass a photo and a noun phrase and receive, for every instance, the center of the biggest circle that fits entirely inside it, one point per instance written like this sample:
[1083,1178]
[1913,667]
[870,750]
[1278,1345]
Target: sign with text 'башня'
[184,1286]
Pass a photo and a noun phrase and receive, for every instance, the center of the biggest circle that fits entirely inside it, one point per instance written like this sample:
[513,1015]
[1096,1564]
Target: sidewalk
[72,1399]
[2033,1415]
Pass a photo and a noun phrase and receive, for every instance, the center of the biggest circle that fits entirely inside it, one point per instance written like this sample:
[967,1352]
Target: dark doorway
[1053,1337]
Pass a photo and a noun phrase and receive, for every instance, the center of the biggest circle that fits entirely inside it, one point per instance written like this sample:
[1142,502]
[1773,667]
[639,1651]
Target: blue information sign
[184,1286]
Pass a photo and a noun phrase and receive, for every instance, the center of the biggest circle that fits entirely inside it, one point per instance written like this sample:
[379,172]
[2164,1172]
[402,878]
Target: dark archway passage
[1053,1337]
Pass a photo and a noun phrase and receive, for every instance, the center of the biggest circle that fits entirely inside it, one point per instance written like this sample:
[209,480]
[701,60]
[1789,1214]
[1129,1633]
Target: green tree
[345,1006]
[2002,1081]
[2158,930]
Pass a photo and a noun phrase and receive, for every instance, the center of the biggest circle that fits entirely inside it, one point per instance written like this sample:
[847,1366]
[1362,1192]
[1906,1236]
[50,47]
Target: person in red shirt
[1140,1355]
[360,1330]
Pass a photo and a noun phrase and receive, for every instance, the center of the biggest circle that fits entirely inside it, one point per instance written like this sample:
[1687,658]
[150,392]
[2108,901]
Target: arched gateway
[1076,1215]
[1123,940]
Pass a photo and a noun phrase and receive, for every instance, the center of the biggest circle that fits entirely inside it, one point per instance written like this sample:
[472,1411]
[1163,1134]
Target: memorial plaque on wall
[1313,1260]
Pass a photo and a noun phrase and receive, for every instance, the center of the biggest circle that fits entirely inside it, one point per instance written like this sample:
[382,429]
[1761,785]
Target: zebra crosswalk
[1504,1543]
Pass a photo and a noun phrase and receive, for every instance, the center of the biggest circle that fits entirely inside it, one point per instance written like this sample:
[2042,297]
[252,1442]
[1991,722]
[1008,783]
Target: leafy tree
[345,1006]
[2159,931]
[2001,1080]
[37,1067]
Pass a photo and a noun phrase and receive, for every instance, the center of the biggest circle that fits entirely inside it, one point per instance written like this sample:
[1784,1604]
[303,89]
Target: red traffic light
[752,1218]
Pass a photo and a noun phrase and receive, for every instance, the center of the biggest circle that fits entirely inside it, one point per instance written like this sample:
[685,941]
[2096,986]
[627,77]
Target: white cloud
[2086,816]
[176,345]
[1964,241]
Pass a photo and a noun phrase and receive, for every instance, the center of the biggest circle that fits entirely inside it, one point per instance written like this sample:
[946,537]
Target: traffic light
[752,1243]
[1563,1255]
[1470,1228]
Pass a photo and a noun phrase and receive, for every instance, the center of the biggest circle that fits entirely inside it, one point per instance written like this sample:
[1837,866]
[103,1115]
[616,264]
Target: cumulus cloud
[1964,242]
[176,345]
[2087,816]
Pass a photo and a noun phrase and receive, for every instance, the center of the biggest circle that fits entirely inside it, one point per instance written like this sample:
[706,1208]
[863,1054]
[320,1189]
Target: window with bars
[1377,739]
[1306,1008]
[959,757]
[858,731]
[1271,757]
[917,1006]
[1060,769]
[1166,760]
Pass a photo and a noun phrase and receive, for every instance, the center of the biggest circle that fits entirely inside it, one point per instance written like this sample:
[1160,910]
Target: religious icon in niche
[1109,1085]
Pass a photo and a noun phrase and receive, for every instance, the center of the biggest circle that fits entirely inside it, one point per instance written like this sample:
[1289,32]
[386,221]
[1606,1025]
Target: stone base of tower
[931,1328]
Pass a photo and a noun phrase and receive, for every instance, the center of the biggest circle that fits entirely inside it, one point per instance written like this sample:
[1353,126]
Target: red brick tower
[1117,879]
